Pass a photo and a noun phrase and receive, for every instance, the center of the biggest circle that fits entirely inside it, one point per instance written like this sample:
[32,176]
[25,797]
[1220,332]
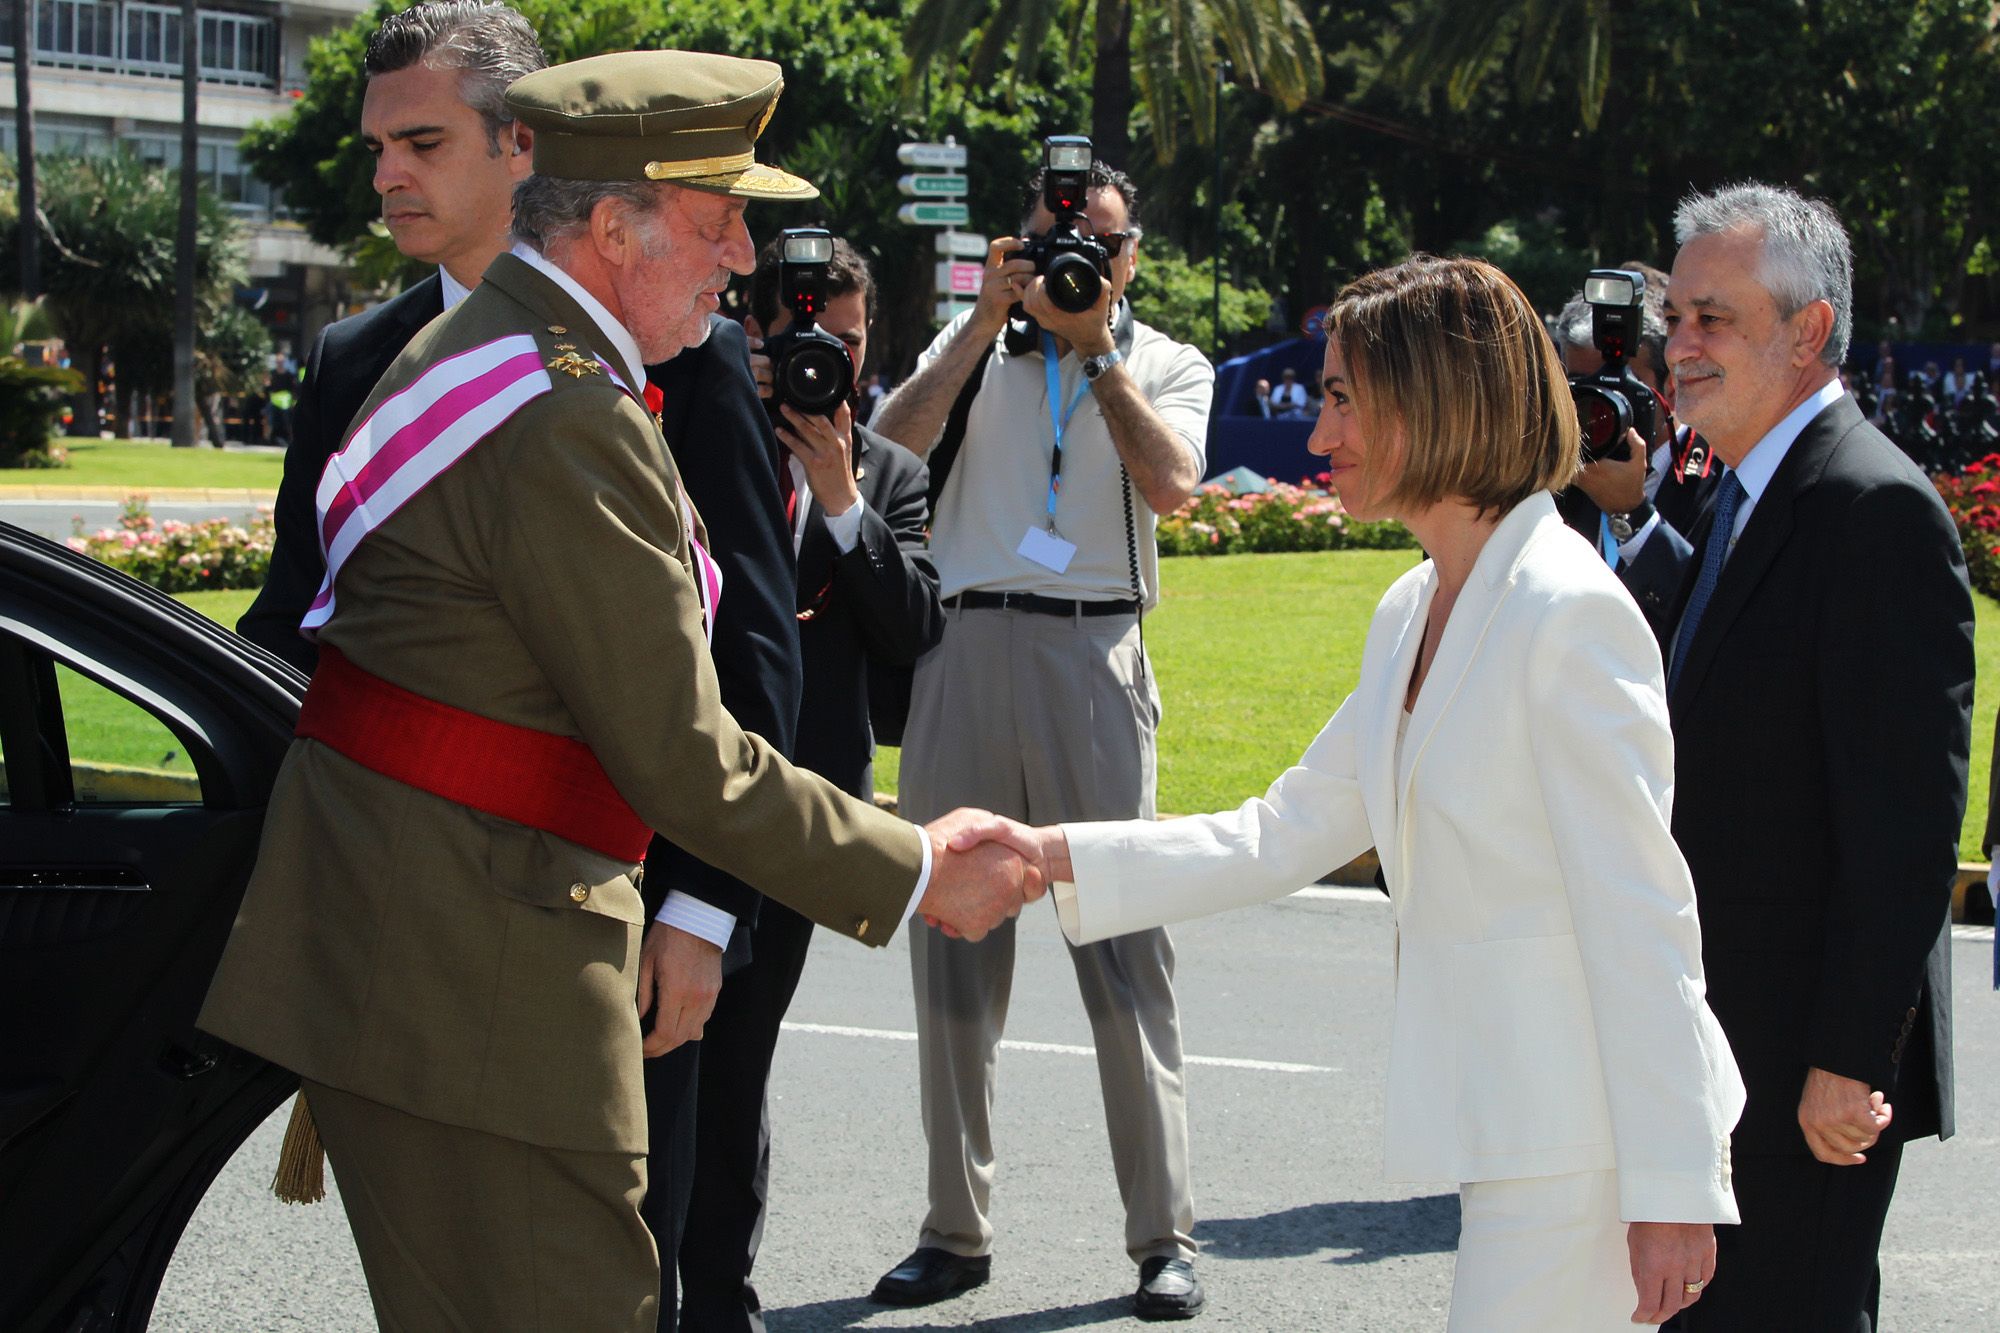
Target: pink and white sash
[415,435]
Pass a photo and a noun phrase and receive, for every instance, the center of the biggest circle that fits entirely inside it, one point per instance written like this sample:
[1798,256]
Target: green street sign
[935,215]
[933,184]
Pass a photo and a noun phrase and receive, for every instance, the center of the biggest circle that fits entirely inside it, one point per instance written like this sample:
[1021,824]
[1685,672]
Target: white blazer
[1550,1007]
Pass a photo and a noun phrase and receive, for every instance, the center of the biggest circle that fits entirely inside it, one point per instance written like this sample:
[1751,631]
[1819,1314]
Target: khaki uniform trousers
[464,1231]
[1043,718]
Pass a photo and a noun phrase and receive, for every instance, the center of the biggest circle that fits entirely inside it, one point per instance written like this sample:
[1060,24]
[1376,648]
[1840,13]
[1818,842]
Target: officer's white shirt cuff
[846,531]
[1628,550]
[923,875]
[684,911]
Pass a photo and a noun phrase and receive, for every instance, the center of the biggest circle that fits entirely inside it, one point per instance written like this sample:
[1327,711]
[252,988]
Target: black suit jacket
[721,440]
[1821,725]
[346,359]
[1654,576]
[878,601]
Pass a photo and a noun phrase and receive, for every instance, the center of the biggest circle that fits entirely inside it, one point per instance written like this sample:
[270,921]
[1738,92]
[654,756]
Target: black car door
[139,742]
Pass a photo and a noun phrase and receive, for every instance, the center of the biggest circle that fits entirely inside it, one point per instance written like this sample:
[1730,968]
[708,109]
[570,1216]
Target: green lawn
[146,465]
[1255,651]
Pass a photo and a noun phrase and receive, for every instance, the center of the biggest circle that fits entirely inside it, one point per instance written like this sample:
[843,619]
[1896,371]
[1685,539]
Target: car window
[120,754]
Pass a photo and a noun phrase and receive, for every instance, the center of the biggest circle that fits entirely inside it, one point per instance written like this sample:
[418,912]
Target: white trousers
[1545,1254]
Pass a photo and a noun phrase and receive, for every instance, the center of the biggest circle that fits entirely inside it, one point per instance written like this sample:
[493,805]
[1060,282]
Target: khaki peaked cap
[683,116]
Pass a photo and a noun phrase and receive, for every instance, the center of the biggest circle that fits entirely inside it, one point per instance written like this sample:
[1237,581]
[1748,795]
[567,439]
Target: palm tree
[1442,49]
[1165,49]
[186,240]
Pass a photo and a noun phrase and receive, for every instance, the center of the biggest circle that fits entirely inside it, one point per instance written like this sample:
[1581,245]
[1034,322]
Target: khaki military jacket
[474,971]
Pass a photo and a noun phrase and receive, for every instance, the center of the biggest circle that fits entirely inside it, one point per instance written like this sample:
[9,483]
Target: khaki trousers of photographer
[1043,718]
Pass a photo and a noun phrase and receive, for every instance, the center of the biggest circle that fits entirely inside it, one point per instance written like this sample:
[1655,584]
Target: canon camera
[810,368]
[1612,400]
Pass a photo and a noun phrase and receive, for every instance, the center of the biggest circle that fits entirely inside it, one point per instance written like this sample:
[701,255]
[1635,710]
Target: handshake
[985,868]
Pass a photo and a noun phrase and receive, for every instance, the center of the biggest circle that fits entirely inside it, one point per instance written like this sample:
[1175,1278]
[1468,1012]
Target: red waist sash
[553,783]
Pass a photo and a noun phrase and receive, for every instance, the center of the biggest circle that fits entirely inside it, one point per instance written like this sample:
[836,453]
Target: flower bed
[1217,521]
[182,557]
[1973,496]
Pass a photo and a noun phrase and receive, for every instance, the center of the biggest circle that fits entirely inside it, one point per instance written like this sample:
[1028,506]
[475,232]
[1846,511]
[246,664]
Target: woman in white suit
[1507,754]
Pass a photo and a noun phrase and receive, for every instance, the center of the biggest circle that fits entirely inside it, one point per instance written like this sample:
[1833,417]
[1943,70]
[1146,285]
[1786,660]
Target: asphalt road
[62,519]
[1285,1011]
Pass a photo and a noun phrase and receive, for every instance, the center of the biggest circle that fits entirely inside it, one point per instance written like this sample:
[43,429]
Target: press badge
[1047,550]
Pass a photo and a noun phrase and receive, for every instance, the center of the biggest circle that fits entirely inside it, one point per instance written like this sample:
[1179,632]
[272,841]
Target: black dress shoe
[1168,1289]
[931,1274]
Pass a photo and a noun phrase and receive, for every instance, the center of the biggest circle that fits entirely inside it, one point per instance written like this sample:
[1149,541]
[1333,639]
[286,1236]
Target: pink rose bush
[182,557]
[1216,521]
[1973,496]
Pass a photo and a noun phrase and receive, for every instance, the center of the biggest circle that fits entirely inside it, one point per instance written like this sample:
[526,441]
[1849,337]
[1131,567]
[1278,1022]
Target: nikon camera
[810,368]
[1071,264]
[1612,400]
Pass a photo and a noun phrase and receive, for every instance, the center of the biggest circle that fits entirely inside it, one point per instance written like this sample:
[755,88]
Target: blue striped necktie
[1714,550]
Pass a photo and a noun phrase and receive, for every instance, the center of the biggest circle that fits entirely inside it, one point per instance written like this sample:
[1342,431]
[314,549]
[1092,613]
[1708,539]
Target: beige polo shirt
[999,486]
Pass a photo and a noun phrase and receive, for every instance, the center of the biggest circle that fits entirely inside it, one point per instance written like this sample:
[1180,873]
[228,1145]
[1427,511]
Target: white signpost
[938,188]
[949,154]
[960,245]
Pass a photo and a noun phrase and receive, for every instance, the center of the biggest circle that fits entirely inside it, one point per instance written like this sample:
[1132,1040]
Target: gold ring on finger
[1693,1288]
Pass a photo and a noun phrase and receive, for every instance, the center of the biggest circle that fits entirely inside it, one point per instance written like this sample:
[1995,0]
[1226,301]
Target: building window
[221,165]
[131,37]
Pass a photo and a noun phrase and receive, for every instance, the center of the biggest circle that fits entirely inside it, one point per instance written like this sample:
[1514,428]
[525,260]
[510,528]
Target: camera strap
[1057,419]
[1607,541]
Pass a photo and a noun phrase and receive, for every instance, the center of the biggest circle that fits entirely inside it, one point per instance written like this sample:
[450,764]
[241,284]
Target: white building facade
[108,73]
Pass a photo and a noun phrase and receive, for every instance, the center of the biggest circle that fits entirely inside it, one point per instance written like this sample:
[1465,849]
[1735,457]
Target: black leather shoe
[931,1274]
[1168,1289]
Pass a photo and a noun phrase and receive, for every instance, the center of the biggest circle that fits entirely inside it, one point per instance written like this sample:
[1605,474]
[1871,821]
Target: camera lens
[814,377]
[1603,415]
[1073,283]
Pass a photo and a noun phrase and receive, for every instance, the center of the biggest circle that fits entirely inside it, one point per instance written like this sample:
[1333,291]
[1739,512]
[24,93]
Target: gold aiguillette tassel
[301,1174]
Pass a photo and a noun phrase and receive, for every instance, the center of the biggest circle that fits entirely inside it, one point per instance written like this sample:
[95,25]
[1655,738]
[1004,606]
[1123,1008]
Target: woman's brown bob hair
[1453,352]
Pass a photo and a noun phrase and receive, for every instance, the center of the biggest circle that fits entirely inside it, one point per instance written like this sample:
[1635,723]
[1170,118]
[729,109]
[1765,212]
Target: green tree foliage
[1178,297]
[314,153]
[1535,41]
[1167,49]
[1572,126]
[1535,255]
[108,264]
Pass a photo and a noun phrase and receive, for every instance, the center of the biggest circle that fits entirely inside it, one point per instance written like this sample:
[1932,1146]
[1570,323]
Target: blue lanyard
[1605,540]
[1059,420]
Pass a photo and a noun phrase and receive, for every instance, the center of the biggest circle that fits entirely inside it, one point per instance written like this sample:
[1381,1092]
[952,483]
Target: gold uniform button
[579,893]
[861,928]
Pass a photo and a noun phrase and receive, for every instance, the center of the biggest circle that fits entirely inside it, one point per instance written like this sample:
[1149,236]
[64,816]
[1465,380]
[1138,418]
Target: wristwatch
[1625,524]
[1093,366]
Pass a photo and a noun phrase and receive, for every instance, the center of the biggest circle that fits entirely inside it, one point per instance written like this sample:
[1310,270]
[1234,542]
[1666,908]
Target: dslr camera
[810,368]
[1612,400]
[1071,263]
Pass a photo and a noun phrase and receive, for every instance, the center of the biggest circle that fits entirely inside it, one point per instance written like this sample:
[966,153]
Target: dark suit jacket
[346,360]
[878,601]
[1654,576]
[1822,725]
[721,440]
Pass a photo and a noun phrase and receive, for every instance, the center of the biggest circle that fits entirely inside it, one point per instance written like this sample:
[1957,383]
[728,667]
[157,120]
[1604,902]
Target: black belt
[1040,605]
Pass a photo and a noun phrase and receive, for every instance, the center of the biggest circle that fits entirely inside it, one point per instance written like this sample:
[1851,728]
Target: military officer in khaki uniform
[442,934]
